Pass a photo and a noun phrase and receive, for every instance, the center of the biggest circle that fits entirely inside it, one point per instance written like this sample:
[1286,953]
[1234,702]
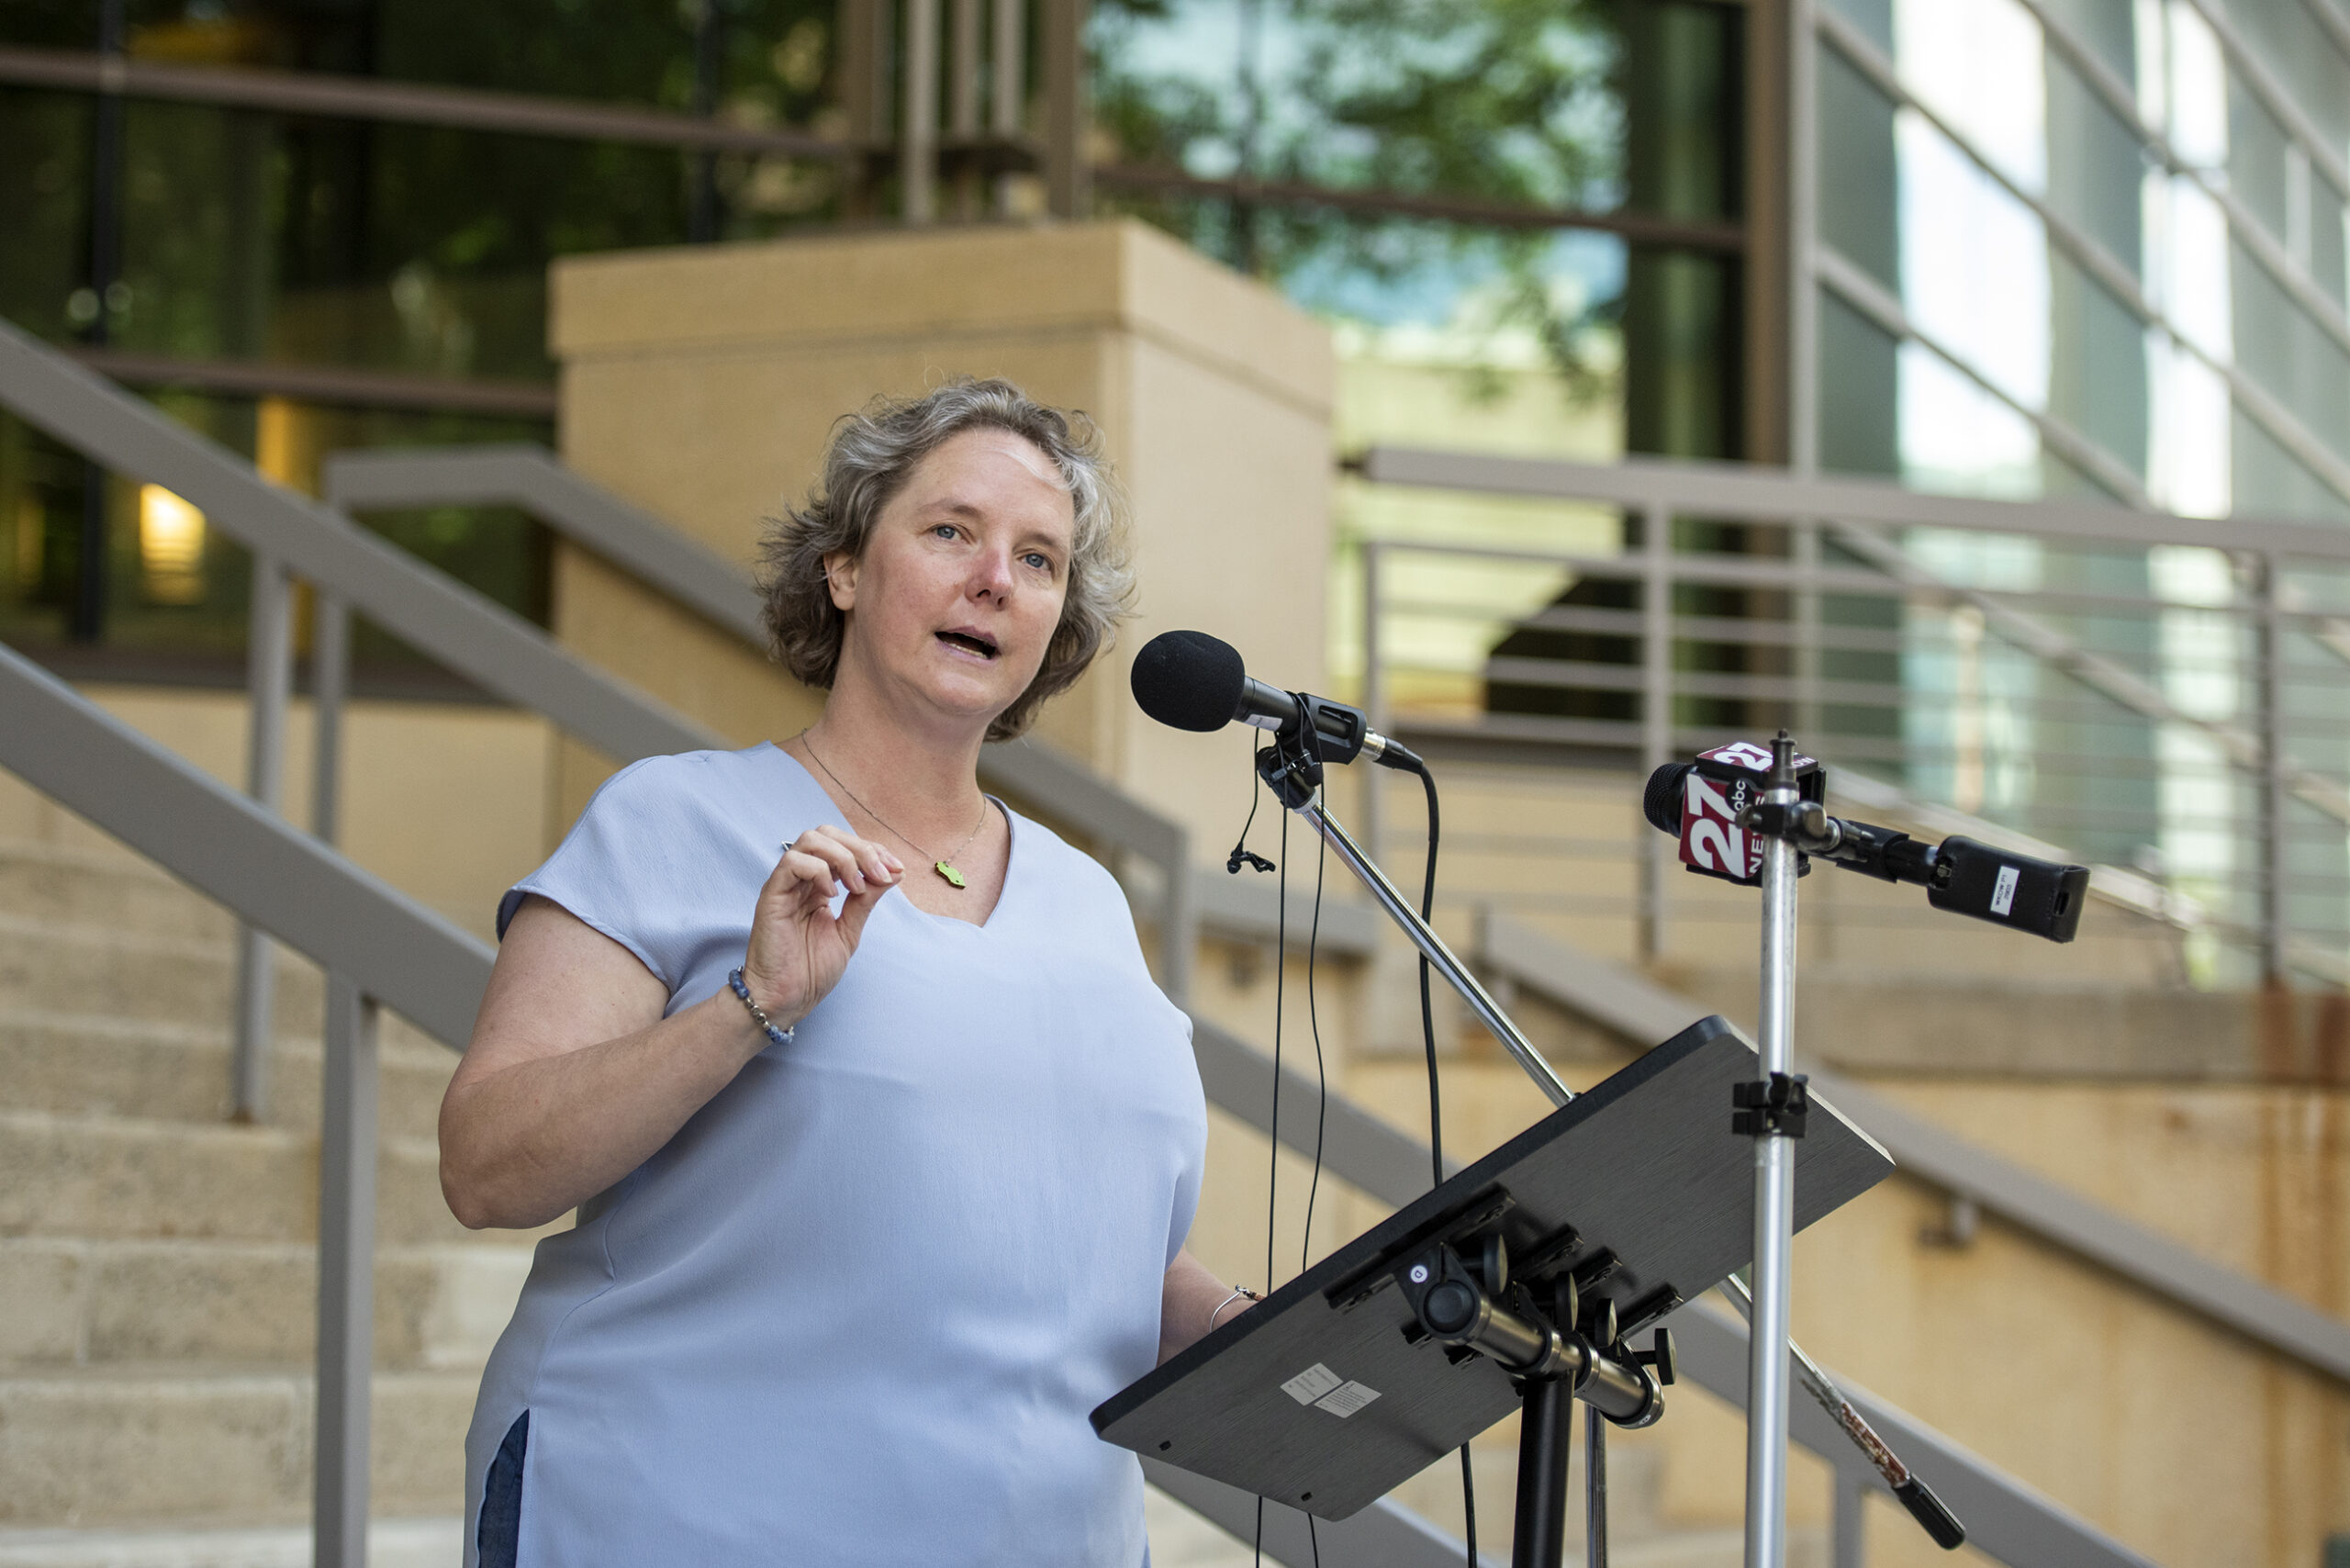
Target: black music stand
[1638,1194]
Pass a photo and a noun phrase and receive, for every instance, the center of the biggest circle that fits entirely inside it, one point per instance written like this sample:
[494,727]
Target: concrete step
[87,1064]
[53,966]
[206,1304]
[95,1449]
[117,1178]
[69,885]
[391,1543]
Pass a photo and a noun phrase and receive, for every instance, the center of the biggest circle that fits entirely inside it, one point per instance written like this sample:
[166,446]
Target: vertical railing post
[1179,924]
[963,103]
[2269,695]
[1656,711]
[329,685]
[1068,181]
[1374,701]
[1806,630]
[1008,95]
[1848,1543]
[346,1277]
[918,115]
[269,654]
[1802,238]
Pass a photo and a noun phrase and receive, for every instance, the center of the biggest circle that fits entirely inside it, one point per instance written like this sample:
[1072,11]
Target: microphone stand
[1292,767]
[1775,1115]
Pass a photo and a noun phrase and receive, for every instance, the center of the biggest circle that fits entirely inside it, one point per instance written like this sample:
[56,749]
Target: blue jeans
[500,1530]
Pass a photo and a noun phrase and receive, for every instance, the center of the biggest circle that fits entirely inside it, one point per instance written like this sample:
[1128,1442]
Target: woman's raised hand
[799,946]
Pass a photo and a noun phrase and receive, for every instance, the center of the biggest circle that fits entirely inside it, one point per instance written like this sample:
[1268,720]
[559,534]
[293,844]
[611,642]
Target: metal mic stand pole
[1774,1190]
[1296,779]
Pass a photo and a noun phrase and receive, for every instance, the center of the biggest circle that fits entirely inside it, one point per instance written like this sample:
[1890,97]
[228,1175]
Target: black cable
[1281,976]
[1321,1075]
[1273,1167]
[1436,1112]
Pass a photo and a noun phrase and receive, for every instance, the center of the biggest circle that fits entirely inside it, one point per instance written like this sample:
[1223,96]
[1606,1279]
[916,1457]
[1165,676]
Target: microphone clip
[1291,765]
[1248,858]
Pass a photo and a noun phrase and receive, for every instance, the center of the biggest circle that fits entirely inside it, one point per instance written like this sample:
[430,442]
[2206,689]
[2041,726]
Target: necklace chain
[943,864]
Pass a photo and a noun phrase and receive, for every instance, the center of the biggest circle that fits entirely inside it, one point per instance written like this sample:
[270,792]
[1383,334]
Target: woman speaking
[884,1143]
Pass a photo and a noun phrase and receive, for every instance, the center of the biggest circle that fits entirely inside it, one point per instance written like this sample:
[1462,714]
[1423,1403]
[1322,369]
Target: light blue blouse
[856,1310]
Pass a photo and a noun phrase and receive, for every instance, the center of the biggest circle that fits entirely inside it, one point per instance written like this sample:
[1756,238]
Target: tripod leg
[1545,1433]
[1595,1488]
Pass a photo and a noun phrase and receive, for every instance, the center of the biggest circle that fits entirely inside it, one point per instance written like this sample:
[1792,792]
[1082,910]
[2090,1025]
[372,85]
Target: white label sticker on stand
[1347,1400]
[1312,1383]
[2003,892]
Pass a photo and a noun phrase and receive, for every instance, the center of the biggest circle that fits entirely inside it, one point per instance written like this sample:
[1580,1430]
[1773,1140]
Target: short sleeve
[629,866]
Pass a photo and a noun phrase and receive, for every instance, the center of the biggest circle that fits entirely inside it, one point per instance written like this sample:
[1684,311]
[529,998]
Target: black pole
[85,620]
[1545,1435]
[709,43]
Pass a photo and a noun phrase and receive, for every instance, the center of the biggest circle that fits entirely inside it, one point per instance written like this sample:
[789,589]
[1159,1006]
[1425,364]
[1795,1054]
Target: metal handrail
[1629,1004]
[1855,514]
[377,946]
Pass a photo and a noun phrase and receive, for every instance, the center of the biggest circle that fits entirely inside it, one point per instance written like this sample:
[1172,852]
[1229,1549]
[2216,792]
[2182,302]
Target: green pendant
[953,877]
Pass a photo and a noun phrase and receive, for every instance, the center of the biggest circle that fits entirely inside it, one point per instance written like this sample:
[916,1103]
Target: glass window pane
[2097,364]
[2109,27]
[2257,159]
[2095,166]
[2291,355]
[44,182]
[1859,188]
[1859,392]
[1513,100]
[2329,230]
[2270,483]
[1872,17]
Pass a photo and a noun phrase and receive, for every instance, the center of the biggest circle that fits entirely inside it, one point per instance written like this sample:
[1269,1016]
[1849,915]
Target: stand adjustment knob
[1659,1357]
[1450,1307]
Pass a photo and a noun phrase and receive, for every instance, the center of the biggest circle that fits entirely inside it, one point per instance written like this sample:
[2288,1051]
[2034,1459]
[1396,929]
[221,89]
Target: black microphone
[1719,819]
[1193,681]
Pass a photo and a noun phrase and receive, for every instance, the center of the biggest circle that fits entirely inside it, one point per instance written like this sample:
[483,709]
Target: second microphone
[1193,681]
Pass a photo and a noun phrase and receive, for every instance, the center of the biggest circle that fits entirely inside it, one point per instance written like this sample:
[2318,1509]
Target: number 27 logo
[1712,840]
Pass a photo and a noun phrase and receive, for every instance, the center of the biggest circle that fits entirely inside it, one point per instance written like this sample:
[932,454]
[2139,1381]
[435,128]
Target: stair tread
[391,1543]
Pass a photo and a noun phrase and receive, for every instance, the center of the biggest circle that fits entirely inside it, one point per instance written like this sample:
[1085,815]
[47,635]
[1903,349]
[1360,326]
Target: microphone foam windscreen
[1190,680]
[1660,803]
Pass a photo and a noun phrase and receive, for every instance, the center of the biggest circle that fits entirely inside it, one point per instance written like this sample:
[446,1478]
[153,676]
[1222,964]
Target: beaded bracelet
[767,1025]
[1238,1291]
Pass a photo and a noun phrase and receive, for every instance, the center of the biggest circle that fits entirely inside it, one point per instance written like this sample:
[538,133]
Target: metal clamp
[1770,1107]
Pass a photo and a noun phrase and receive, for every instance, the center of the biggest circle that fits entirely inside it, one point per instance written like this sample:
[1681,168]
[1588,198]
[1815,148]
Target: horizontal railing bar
[401,103]
[529,476]
[433,973]
[1641,1009]
[1752,493]
[1638,228]
[441,618]
[2006,1519]
[341,386]
[265,871]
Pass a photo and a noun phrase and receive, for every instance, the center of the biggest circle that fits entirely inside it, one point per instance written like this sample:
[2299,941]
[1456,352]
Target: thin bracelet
[1238,1291]
[766,1025]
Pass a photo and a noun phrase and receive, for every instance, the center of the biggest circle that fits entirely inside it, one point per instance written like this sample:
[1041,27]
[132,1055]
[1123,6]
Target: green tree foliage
[1514,102]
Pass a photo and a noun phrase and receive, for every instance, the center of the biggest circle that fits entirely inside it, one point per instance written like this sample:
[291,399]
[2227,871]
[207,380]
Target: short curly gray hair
[868,463]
